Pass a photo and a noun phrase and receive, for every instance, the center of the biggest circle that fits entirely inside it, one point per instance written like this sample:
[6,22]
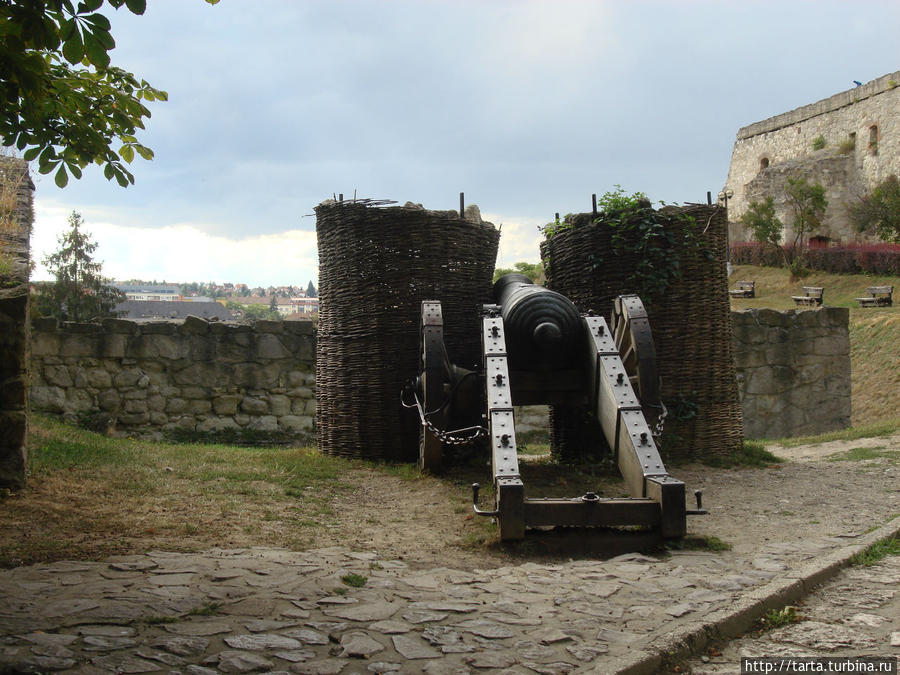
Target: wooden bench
[813,296]
[879,296]
[745,289]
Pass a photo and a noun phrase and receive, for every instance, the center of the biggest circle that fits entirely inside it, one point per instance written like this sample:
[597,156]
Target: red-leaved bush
[851,258]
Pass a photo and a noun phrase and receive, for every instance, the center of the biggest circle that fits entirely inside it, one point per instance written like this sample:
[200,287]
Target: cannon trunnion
[538,349]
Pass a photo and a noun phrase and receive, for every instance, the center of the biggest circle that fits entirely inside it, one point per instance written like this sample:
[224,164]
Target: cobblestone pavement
[855,614]
[272,610]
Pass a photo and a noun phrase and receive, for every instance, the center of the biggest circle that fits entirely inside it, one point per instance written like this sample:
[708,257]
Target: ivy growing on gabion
[674,258]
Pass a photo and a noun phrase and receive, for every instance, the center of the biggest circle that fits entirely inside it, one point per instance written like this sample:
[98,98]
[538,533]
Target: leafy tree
[806,204]
[878,213]
[61,102]
[761,220]
[534,271]
[80,292]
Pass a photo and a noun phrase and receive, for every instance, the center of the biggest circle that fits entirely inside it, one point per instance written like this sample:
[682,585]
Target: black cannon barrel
[543,328]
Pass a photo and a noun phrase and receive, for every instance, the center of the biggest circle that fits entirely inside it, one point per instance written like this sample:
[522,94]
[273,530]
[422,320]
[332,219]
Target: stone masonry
[16,190]
[860,129]
[793,370]
[193,376]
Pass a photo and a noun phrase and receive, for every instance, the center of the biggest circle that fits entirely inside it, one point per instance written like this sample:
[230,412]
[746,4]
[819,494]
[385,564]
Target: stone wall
[793,370]
[177,378]
[16,216]
[861,130]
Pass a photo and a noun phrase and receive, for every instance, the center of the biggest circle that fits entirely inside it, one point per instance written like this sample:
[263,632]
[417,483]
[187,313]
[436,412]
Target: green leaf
[96,52]
[73,48]
[31,153]
[62,178]
[108,171]
[89,6]
[76,170]
[136,6]
[127,153]
[144,152]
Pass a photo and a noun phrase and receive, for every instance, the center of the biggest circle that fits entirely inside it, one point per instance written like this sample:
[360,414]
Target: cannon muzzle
[543,328]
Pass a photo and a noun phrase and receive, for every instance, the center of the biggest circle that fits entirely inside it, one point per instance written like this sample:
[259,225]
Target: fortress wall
[16,217]
[149,379]
[793,370]
[789,138]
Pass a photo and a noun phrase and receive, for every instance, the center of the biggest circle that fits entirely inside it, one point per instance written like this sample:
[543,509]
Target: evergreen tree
[311,291]
[80,292]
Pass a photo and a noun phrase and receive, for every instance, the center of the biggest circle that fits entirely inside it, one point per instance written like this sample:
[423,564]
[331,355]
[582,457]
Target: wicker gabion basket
[376,266]
[691,324]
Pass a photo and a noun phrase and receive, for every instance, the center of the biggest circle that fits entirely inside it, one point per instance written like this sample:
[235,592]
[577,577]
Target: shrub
[881,259]
[818,142]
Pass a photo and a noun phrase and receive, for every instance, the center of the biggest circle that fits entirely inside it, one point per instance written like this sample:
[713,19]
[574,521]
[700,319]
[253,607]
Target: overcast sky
[528,106]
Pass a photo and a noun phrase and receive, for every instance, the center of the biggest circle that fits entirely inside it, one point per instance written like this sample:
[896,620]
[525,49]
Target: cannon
[537,348]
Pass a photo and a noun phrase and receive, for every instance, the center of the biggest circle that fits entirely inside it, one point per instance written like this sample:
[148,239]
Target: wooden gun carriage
[538,349]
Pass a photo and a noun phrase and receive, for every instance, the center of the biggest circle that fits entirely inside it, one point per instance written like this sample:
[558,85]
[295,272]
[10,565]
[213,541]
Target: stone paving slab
[271,610]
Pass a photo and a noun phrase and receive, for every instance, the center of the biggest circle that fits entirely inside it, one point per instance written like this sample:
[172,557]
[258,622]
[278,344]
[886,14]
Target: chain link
[448,437]
[660,421]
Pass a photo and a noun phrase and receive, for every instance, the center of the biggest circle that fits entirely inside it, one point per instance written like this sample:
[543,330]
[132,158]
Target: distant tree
[311,291]
[273,305]
[878,212]
[806,204]
[534,271]
[80,291]
[762,222]
[61,102]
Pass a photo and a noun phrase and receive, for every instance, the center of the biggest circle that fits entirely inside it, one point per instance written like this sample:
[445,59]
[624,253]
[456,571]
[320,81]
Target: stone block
[118,326]
[135,394]
[134,419]
[279,405]
[158,418]
[267,326]
[194,325]
[194,392]
[156,403]
[113,345]
[128,377]
[58,376]
[212,424]
[133,405]
[12,394]
[226,404]
[45,344]
[296,423]
[242,419]
[159,328]
[12,449]
[199,406]
[310,408]
[73,344]
[79,400]
[47,399]
[264,423]
[98,378]
[254,406]
[175,406]
[269,347]
[108,400]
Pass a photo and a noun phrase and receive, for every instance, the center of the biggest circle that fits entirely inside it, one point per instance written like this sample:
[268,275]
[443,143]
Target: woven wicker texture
[376,266]
[691,327]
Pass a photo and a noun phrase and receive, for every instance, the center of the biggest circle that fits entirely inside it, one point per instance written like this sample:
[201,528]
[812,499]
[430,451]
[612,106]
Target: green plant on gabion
[642,233]
[818,142]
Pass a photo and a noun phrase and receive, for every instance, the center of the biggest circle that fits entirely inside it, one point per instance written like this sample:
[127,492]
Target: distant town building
[150,292]
[162,309]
